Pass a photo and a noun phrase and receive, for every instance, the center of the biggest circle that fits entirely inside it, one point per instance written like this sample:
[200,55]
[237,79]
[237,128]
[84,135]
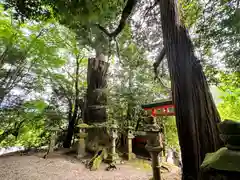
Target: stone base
[79,156]
[113,158]
[74,147]
[97,137]
[130,156]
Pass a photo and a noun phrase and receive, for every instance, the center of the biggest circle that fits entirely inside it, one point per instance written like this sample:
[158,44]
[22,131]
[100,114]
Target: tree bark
[96,101]
[73,116]
[196,113]
[96,97]
[68,140]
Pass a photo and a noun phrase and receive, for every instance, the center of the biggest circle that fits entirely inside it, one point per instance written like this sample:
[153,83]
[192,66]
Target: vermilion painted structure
[163,108]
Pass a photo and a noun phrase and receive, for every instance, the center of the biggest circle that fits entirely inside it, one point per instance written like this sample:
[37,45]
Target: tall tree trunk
[68,140]
[96,96]
[130,98]
[96,101]
[196,113]
[73,116]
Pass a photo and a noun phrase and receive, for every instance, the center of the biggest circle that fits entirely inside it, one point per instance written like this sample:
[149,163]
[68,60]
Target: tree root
[97,159]
[111,167]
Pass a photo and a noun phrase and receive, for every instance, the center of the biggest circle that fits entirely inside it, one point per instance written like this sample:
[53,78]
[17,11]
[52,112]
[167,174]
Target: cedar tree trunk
[96,96]
[96,101]
[196,113]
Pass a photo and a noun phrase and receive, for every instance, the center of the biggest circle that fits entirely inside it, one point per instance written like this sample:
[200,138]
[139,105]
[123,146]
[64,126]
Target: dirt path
[64,168]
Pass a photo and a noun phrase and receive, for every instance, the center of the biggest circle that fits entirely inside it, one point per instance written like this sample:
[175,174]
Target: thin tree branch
[156,65]
[125,14]
[76,103]
[118,51]
[61,86]
[151,8]
[159,60]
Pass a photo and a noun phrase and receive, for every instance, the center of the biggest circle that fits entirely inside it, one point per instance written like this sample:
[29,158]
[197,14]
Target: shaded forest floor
[60,166]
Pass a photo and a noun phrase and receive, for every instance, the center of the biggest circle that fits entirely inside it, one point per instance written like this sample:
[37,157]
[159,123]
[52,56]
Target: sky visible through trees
[45,46]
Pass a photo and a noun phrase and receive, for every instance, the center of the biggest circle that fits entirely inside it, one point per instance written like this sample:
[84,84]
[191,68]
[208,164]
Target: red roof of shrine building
[162,108]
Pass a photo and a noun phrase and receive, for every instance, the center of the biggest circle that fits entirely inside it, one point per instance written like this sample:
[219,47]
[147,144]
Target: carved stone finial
[154,146]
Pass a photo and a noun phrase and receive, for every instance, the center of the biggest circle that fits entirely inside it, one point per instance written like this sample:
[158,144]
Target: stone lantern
[112,155]
[81,150]
[154,146]
[53,137]
[130,136]
[224,163]
[153,131]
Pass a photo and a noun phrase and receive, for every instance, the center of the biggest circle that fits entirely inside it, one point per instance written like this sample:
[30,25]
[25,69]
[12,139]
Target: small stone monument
[154,146]
[224,164]
[130,136]
[112,155]
[52,141]
[81,149]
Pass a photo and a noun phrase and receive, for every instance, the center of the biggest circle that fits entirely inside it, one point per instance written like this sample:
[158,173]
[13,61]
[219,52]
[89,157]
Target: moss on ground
[142,164]
[97,159]
[146,165]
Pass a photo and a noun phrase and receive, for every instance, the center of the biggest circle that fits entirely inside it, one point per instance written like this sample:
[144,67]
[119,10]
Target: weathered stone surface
[224,163]
[97,136]
[223,159]
[81,149]
[154,146]
[229,127]
[82,135]
[112,155]
[130,155]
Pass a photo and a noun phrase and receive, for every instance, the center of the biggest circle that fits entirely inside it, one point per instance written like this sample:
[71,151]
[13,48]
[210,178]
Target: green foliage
[218,29]
[171,133]
[229,108]
[31,129]
[190,11]
[81,16]
[134,85]
[84,11]
[41,58]
[29,51]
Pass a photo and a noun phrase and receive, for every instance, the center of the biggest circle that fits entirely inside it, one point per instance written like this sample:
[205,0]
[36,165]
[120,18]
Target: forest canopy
[45,47]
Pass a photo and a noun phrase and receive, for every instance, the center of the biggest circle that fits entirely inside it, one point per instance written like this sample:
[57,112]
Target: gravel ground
[60,167]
